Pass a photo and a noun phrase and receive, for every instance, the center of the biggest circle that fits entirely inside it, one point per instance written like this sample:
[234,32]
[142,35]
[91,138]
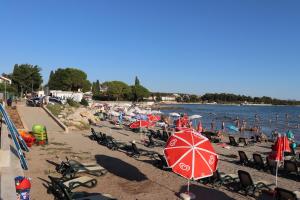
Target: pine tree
[137,81]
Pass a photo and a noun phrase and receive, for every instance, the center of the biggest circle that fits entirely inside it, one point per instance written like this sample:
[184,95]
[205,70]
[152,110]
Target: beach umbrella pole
[188,187]
[276,172]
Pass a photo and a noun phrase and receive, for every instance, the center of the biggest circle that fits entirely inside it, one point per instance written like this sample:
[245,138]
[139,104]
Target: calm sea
[269,118]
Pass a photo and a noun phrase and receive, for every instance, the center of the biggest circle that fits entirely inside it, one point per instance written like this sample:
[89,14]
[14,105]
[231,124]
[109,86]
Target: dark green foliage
[84,102]
[117,90]
[139,92]
[96,88]
[137,81]
[232,98]
[69,79]
[73,103]
[26,77]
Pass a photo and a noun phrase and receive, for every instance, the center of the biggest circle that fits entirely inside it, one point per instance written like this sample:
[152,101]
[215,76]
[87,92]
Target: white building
[4,79]
[76,96]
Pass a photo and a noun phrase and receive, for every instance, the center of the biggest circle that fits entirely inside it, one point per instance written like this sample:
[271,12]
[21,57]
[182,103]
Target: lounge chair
[75,182]
[245,142]
[244,159]
[165,136]
[136,153]
[95,136]
[232,142]
[70,168]
[271,165]
[290,168]
[150,143]
[162,163]
[249,187]
[61,192]
[112,144]
[283,194]
[258,162]
[218,179]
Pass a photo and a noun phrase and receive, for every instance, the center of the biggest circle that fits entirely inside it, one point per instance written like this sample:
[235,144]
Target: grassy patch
[55,109]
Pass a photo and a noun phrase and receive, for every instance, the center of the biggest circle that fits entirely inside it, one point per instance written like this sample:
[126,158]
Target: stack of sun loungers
[76,175]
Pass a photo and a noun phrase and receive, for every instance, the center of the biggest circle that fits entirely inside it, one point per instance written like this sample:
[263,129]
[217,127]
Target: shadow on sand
[120,168]
[204,193]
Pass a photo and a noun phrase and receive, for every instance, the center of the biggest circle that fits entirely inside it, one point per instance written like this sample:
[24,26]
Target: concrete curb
[24,124]
[64,127]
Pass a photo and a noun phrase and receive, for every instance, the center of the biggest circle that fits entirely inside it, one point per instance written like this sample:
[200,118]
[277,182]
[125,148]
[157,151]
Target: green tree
[117,89]
[137,81]
[139,92]
[69,79]
[26,77]
[96,88]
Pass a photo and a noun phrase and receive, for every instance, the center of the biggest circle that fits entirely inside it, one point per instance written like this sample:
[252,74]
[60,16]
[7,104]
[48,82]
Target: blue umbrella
[233,128]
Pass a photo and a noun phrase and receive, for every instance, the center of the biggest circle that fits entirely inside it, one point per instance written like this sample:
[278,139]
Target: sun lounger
[232,142]
[136,153]
[244,159]
[162,163]
[61,192]
[290,168]
[249,186]
[245,142]
[283,194]
[71,167]
[258,162]
[165,136]
[75,182]
[271,165]
[95,136]
[218,179]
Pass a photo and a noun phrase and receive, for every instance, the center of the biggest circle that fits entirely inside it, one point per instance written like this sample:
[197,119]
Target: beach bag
[40,134]
[23,186]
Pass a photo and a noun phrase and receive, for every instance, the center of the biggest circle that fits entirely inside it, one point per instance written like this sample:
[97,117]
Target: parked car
[35,102]
[57,100]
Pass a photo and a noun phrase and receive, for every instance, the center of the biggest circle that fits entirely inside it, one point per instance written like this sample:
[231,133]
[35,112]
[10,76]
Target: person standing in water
[212,125]
[223,126]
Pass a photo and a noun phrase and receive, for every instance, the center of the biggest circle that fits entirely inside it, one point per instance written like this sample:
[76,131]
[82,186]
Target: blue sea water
[269,118]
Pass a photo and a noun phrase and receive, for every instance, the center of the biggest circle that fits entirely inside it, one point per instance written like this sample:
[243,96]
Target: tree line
[233,98]
[118,90]
[27,78]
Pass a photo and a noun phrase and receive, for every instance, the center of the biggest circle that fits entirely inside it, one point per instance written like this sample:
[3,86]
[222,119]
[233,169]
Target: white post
[276,171]
[188,188]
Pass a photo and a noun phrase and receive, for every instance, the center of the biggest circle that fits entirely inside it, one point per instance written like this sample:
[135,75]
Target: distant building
[164,98]
[168,98]
[76,96]
[4,79]
[103,88]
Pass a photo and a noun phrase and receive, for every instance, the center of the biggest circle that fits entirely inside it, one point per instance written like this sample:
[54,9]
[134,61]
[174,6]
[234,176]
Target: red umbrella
[178,123]
[140,124]
[281,146]
[191,155]
[199,127]
[153,118]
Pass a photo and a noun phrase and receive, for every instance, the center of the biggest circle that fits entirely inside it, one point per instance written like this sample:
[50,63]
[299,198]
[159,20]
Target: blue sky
[247,47]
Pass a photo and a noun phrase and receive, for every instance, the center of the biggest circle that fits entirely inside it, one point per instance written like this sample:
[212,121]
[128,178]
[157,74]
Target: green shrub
[73,103]
[84,102]
[55,109]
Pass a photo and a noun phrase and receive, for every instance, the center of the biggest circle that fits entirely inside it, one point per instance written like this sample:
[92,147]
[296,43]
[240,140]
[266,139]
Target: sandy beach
[130,178]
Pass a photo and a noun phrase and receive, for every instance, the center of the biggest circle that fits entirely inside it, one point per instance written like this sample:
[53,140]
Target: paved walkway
[36,115]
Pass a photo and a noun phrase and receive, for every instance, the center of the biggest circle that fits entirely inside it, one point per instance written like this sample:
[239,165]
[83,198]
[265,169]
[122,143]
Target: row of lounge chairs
[131,150]
[289,169]
[242,142]
[240,182]
[63,187]
[243,182]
